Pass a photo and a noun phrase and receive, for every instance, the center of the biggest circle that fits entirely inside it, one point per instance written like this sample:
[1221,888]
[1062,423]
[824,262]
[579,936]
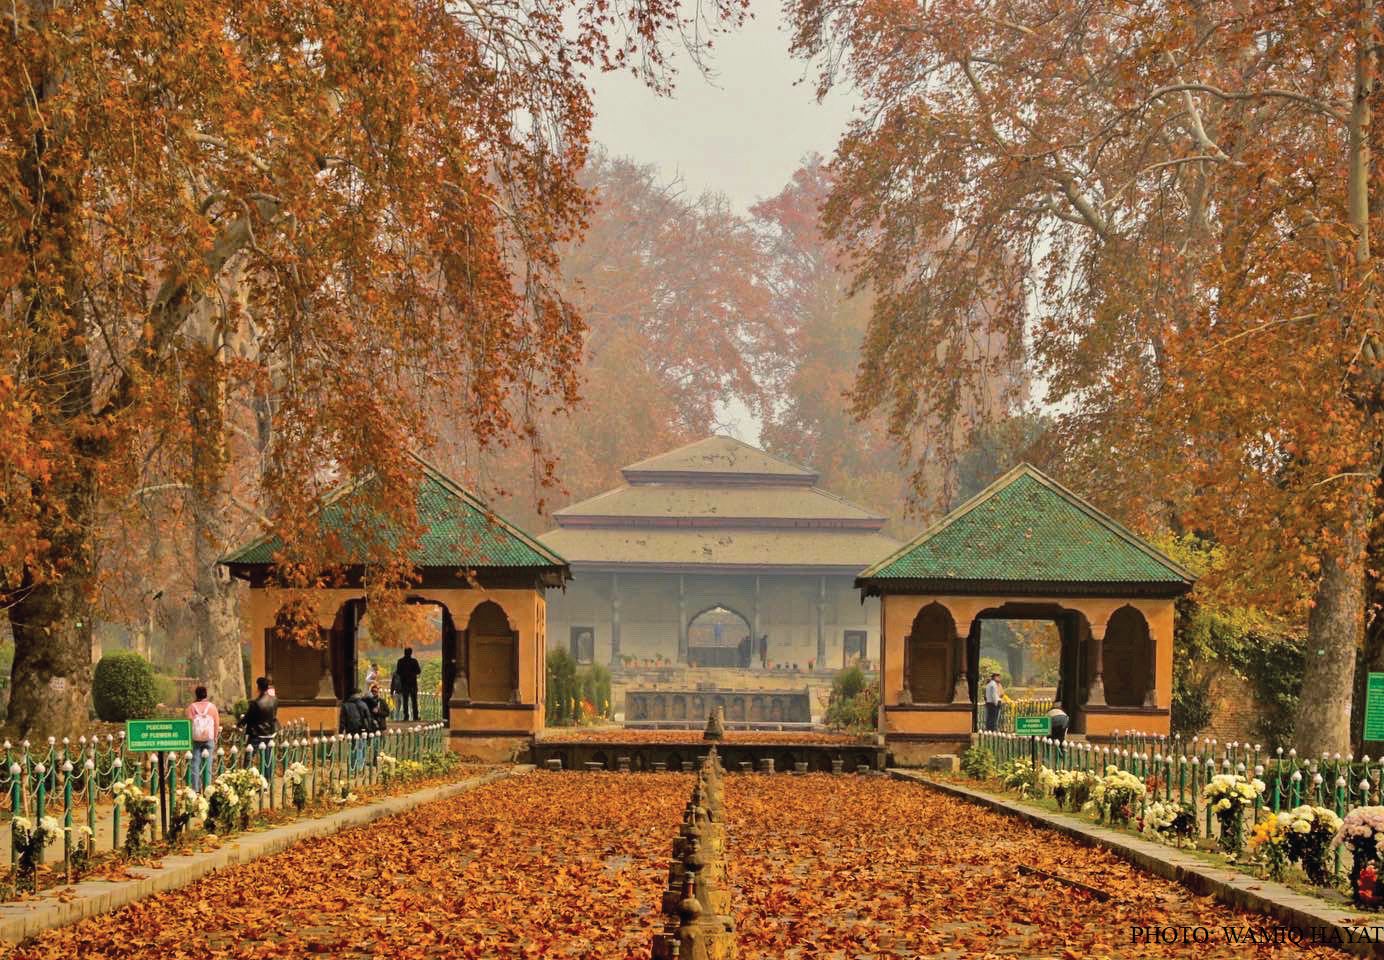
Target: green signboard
[1374,707]
[1033,726]
[160,735]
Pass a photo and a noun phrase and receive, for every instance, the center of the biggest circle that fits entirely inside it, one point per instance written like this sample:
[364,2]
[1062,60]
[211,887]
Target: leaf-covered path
[570,865]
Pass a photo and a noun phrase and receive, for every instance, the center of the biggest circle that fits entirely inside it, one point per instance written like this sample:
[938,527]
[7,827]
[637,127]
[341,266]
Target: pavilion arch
[931,658]
[491,656]
[719,654]
[1129,659]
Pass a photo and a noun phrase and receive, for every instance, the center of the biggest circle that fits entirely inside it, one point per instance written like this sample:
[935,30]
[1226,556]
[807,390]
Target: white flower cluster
[1116,781]
[1306,817]
[296,773]
[48,829]
[188,802]
[387,760]
[241,786]
[126,790]
[1227,790]
[1161,816]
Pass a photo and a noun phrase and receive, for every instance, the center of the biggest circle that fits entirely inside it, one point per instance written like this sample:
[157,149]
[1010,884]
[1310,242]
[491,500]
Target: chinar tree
[368,196]
[1169,207]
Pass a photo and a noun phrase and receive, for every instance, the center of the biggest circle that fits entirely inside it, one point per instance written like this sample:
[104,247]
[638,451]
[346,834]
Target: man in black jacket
[355,719]
[261,723]
[379,709]
[407,670]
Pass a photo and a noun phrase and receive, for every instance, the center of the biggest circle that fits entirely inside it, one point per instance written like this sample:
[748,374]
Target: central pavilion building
[717,554]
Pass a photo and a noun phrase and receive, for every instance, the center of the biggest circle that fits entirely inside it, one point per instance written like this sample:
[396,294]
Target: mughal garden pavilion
[717,554]
[1025,548]
[487,579]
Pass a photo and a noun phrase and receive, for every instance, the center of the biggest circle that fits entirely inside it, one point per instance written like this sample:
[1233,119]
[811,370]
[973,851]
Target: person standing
[408,671]
[355,720]
[372,676]
[994,696]
[206,730]
[379,708]
[261,723]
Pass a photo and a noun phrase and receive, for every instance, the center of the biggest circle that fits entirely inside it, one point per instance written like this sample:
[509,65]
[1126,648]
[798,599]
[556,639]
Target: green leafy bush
[562,688]
[165,690]
[124,687]
[978,763]
[595,689]
[854,702]
[430,680]
[990,666]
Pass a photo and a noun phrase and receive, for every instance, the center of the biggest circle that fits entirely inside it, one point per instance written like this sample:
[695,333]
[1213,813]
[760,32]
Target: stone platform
[641,755]
[743,709]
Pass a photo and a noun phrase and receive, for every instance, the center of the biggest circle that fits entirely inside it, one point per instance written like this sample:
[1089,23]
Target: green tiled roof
[460,531]
[1027,528]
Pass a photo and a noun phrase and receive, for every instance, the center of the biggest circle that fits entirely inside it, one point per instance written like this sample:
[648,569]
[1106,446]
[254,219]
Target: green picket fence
[73,780]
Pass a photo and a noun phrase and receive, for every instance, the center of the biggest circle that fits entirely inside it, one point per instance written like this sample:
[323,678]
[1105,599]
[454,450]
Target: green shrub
[594,683]
[165,690]
[854,702]
[430,680]
[990,666]
[124,687]
[562,688]
[978,763]
[847,684]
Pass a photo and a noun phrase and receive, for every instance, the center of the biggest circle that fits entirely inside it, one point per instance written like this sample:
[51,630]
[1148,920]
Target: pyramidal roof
[1028,533]
[459,530]
[718,459]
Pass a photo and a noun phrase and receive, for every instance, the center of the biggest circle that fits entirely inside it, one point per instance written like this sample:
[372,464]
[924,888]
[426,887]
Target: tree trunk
[1334,632]
[216,622]
[50,685]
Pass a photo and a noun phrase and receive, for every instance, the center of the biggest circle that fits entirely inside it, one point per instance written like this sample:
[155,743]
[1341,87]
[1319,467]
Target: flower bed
[1302,845]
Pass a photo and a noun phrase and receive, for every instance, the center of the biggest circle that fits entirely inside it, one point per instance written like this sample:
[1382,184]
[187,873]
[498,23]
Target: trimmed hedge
[124,687]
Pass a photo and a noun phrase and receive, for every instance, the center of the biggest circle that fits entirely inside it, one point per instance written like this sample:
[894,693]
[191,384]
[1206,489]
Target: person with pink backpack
[206,730]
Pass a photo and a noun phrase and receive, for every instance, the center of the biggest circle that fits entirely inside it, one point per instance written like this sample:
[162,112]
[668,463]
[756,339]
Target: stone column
[962,692]
[1151,692]
[1095,697]
[754,614]
[821,621]
[682,619]
[615,620]
[906,684]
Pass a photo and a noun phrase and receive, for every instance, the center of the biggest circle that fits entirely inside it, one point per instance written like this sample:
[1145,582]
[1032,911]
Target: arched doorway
[718,637]
[492,656]
[931,655]
[1127,659]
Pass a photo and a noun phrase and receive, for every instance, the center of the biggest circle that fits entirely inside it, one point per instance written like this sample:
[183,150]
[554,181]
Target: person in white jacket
[994,696]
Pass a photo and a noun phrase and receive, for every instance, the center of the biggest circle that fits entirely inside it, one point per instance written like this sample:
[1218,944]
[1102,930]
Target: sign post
[1374,707]
[1033,728]
[160,737]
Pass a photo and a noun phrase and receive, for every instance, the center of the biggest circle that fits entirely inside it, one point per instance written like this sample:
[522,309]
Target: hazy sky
[742,132]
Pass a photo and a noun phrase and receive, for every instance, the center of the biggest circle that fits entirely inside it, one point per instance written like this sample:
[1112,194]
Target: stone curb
[1231,887]
[66,905]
